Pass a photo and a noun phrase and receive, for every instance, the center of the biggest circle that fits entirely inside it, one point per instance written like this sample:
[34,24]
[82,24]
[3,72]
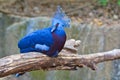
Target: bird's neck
[59,32]
[57,27]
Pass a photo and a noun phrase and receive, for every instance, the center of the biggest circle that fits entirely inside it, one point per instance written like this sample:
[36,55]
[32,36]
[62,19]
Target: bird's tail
[19,74]
[61,16]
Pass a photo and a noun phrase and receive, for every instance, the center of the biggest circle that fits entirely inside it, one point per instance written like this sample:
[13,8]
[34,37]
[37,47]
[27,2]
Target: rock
[115,17]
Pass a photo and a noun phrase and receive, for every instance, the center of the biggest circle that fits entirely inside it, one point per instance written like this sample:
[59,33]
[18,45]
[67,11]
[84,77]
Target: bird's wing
[40,40]
[42,47]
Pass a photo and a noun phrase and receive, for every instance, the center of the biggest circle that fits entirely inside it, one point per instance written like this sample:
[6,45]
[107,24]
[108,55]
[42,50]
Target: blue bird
[49,41]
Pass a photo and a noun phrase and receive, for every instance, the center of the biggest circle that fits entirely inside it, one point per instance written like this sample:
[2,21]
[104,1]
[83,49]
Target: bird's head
[60,19]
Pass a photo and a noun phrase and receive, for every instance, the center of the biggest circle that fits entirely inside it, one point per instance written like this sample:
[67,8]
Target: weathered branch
[65,61]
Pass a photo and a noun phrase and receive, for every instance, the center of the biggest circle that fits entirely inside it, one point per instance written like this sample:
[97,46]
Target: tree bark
[65,61]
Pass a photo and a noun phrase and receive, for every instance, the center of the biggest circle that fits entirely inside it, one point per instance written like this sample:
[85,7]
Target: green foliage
[118,2]
[38,75]
[103,2]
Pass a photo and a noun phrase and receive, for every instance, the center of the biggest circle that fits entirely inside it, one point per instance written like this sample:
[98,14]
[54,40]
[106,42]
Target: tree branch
[65,61]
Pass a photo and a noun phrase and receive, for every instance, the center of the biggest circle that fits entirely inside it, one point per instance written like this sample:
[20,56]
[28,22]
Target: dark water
[94,39]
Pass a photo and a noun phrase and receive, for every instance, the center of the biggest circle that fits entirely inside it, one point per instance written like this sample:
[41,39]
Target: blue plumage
[48,41]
